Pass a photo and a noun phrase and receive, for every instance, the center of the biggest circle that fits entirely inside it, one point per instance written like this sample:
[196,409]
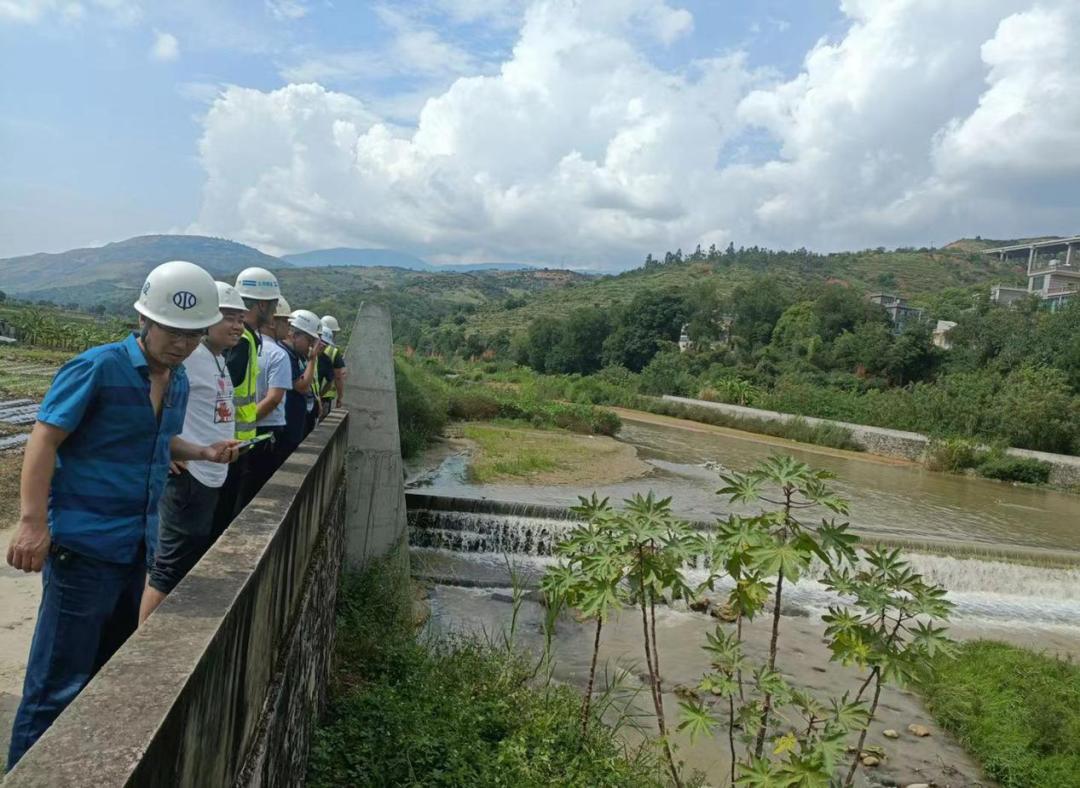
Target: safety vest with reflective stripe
[244,394]
[331,389]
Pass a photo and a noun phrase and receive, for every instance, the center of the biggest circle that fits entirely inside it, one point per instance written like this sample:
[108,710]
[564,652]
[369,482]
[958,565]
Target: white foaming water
[1000,591]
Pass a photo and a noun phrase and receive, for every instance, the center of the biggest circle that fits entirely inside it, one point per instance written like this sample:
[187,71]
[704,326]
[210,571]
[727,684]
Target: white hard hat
[306,321]
[258,284]
[228,298]
[180,295]
[282,308]
[327,336]
[329,321]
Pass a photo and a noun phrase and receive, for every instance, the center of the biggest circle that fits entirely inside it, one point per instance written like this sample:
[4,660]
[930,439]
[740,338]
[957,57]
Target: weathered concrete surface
[1064,468]
[224,682]
[375,521]
[876,440]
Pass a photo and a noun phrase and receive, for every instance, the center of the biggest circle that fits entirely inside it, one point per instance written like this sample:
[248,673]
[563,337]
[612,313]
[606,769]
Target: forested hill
[914,274]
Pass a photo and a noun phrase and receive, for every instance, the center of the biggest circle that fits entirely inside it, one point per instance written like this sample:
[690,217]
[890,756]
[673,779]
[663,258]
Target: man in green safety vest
[260,290]
[331,369]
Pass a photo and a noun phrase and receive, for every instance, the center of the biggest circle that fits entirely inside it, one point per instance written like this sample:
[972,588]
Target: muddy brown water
[1009,555]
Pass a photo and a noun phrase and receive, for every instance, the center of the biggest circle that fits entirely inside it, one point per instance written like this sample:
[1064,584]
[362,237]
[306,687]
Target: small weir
[471,542]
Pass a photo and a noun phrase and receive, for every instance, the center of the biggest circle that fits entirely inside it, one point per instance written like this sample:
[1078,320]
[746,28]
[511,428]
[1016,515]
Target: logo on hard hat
[146,288]
[185,300]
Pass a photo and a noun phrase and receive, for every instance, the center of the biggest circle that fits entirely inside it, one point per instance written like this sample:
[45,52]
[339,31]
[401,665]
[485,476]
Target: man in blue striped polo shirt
[93,472]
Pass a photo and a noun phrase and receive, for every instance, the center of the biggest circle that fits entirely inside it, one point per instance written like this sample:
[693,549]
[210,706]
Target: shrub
[1014,469]
[422,406]
[954,454]
[473,404]
[456,712]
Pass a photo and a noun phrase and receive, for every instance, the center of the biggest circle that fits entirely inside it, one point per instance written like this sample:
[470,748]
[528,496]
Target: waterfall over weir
[477,538]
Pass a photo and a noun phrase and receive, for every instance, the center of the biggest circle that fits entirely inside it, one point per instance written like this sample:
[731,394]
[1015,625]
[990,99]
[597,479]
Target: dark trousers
[230,495]
[88,609]
[263,460]
[186,529]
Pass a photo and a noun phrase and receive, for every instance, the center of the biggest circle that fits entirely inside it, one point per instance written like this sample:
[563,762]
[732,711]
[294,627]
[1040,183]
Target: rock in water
[724,613]
[889,733]
[918,730]
[917,785]
[870,760]
[699,605]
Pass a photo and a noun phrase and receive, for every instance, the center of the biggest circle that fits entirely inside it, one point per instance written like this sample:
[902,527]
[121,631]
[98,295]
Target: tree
[864,347]
[542,335]
[797,329]
[580,347]
[757,307]
[641,328]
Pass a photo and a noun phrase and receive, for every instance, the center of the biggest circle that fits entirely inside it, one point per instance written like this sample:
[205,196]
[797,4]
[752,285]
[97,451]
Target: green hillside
[112,274]
[912,274]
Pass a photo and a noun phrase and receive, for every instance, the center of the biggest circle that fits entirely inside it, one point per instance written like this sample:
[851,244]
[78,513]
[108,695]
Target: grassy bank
[508,451]
[1018,712]
[453,713]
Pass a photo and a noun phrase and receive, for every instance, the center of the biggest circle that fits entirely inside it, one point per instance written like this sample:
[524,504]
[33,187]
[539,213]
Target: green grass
[29,384]
[460,712]
[507,451]
[1016,711]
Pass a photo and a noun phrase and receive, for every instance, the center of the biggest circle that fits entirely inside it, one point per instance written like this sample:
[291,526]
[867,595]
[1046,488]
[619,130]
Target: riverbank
[1017,711]
[1060,470]
[457,711]
[499,452]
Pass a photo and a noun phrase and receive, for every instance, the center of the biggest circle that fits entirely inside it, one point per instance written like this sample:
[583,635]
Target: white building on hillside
[1053,271]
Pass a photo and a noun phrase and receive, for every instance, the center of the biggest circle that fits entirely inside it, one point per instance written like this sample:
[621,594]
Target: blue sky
[107,128]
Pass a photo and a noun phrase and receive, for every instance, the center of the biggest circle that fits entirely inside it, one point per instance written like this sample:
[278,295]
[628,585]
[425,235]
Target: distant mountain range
[112,271]
[87,275]
[368,258]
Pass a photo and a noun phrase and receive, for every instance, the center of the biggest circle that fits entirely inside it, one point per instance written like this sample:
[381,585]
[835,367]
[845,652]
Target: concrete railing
[223,684]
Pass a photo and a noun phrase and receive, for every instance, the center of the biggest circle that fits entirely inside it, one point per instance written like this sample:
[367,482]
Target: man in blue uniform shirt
[93,472]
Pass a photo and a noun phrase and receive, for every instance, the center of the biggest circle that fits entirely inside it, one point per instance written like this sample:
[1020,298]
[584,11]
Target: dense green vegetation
[459,712]
[1018,712]
[429,396]
[792,341]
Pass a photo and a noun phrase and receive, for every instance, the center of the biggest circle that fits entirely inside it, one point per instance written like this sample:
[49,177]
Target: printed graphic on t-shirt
[223,404]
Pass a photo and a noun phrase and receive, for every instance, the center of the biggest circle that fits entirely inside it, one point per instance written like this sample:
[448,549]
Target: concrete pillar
[1068,255]
[1031,260]
[375,524]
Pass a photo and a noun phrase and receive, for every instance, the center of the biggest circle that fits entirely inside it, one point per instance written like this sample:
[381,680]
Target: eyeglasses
[193,335]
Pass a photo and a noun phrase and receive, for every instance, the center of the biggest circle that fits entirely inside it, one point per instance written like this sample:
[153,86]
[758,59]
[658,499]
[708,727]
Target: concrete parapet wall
[223,684]
[1064,468]
[375,500]
[876,440]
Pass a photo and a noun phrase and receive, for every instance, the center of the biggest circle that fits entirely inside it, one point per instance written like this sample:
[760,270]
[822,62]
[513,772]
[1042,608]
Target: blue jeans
[88,609]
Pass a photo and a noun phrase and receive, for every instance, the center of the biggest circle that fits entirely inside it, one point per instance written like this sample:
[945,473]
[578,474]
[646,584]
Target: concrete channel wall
[224,683]
[1064,469]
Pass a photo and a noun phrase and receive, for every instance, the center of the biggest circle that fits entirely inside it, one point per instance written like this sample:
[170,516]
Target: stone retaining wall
[224,683]
[1064,469]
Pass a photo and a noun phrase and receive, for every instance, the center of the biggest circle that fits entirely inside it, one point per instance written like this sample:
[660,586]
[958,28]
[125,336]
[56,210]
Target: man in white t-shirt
[271,384]
[191,492]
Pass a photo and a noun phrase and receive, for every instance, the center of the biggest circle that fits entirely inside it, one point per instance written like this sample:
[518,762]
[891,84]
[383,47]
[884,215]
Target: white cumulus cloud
[926,120]
[165,47]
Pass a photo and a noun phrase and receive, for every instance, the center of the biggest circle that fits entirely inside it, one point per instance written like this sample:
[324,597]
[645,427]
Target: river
[1009,555]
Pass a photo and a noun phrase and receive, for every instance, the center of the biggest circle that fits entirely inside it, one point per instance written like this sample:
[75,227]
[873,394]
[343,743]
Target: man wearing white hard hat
[187,507]
[272,383]
[302,345]
[260,291]
[331,368]
[93,473]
